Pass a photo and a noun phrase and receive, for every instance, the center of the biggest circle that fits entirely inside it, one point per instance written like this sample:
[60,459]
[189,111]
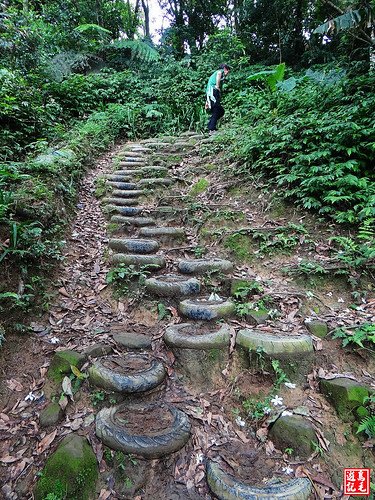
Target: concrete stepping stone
[155,262]
[131,154]
[137,149]
[293,431]
[131,340]
[133,221]
[120,201]
[164,234]
[156,180]
[123,428]
[119,178]
[128,373]
[140,171]
[345,395]
[197,336]
[132,164]
[201,266]
[133,245]
[133,157]
[124,193]
[126,211]
[204,309]
[124,186]
[72,467]
[172,285]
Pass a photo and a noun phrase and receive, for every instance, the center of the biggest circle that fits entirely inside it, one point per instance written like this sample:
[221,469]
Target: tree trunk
[146,11]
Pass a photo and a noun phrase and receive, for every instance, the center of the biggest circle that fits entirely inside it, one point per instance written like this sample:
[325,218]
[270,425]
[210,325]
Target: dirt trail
[215,387]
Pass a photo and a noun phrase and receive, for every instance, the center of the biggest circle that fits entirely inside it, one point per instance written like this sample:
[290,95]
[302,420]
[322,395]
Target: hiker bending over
[214,85]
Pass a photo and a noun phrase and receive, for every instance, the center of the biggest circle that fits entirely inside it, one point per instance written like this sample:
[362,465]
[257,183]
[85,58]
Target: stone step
[130,373]
[204,309]
[119,178]
[136,148]
[201,266]
[123,186]
[172,285]
[177,233]
[120,201]
[124,193]
[134,245]
[131,154]
[129,185]
[155,262]
[156,180]
[132,164]
[133,221]
[142,170]
[127,211]
[132,157]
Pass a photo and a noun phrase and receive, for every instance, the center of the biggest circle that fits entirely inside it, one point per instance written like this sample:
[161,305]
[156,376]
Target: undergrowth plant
[124,277]
[361,336]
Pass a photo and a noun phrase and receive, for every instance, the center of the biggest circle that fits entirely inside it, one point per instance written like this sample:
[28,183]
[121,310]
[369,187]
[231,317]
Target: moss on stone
[61,364]
[199,187]
[70,472]
[317,328]
[293,432]
[257,317]
[345,395]
[241,246]
[50,415]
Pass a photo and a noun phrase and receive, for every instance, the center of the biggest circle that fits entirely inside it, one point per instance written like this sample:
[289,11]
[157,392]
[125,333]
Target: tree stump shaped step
[134,245]
[172,285]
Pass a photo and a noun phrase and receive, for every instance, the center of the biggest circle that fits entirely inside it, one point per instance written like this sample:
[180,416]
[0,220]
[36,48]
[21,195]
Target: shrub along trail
[176,406]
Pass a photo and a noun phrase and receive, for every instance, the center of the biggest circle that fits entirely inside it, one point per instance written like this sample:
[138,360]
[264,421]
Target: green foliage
[163,312]
[199,187]
[270,77]
[315,143]
[281,376]
[249,288]
[367,425]
[362,336]
[124,277]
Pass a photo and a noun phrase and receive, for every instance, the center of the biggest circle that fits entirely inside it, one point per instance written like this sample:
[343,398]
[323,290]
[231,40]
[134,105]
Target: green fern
[367,426]
[140,51]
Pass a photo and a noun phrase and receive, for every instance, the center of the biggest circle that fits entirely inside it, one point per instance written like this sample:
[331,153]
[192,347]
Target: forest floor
[85,310]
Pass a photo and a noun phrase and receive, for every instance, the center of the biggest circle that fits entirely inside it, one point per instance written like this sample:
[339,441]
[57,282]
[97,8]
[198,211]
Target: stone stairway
[142,234]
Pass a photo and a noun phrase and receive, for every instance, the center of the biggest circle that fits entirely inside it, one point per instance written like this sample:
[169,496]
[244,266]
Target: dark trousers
[217,111]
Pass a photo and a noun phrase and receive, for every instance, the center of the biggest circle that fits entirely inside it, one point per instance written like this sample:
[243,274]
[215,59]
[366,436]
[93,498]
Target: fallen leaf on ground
[14,385]
[104,494]
[67,387]
[46,442]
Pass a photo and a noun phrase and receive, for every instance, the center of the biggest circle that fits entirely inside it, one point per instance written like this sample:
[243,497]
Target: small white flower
[30,397]
[287,470]
[340,299]
[329,294]
[299,259]
[54,340]
[308,320]
[240,422]
[289,385]
[199,458]
[277,401]
[258,278]
[267,410]
[286,413]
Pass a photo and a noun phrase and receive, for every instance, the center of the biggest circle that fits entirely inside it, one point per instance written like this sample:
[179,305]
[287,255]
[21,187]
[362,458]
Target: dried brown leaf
[104,494]
[14,385]
[46,442]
